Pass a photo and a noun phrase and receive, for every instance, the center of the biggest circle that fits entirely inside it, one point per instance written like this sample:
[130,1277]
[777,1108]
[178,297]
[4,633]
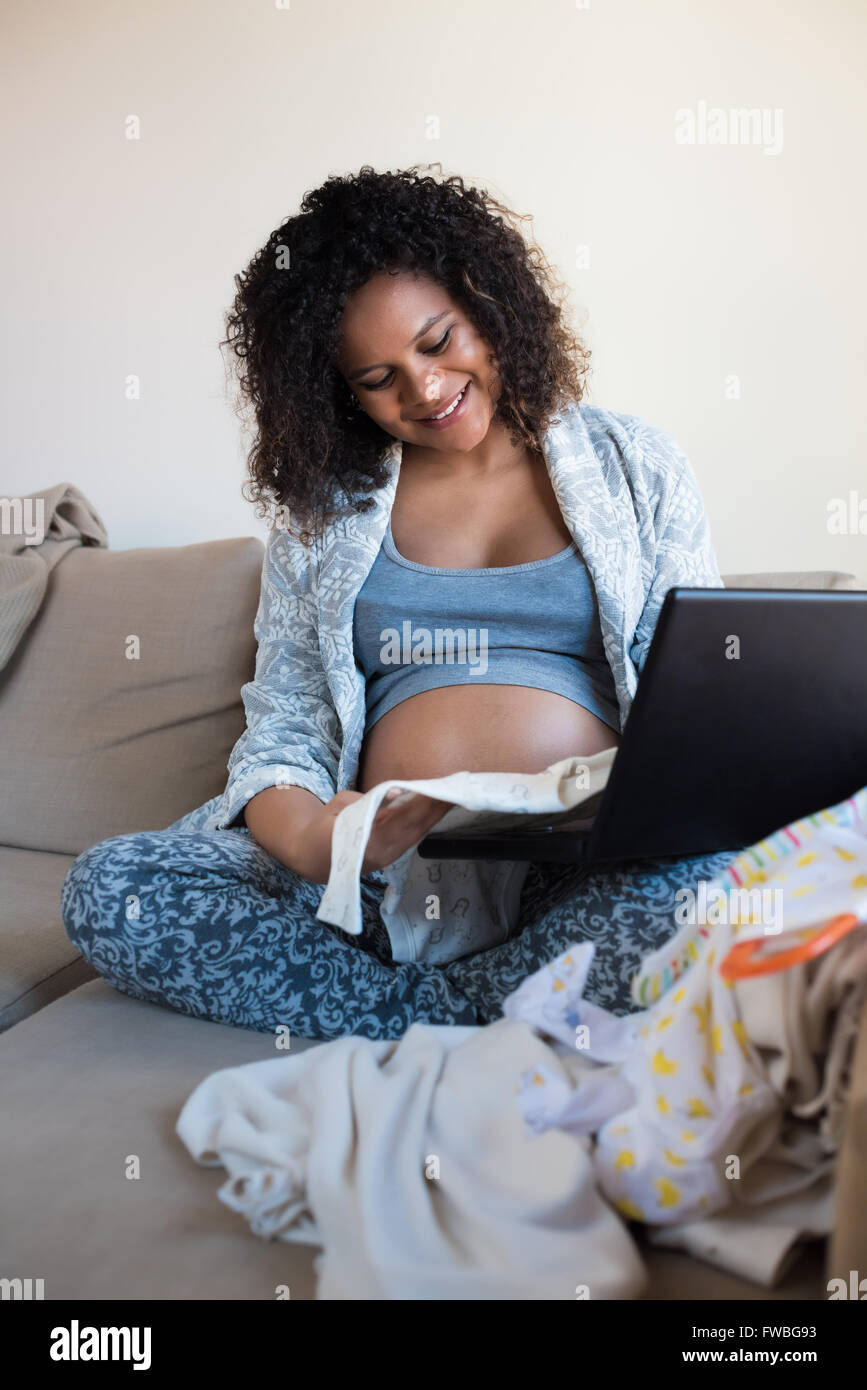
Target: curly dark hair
[313,456]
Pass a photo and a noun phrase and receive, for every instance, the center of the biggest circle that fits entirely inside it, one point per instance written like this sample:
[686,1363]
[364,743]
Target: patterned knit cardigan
[633,507]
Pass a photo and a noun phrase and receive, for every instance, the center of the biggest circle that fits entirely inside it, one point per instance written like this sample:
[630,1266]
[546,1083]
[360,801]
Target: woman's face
[409,353]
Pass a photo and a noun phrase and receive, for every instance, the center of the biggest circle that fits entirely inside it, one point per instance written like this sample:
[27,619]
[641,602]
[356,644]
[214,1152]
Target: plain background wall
[706,262]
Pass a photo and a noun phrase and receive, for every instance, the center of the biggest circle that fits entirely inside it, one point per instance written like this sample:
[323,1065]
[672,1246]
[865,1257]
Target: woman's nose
[423,388]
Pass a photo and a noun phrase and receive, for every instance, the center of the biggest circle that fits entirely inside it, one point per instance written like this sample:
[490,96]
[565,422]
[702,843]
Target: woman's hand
[395,828]
[402,820]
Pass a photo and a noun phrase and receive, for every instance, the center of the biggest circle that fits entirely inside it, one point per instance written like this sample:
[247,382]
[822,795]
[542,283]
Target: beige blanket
[409,1164]
[36,532]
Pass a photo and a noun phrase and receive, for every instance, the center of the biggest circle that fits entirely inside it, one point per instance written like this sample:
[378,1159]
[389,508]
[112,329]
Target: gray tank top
[417,627]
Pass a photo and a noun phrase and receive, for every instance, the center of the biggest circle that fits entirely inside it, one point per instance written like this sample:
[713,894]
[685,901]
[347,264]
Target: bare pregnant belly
[480,728]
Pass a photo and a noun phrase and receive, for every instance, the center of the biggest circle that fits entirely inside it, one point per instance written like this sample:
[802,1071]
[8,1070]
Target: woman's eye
[438,347]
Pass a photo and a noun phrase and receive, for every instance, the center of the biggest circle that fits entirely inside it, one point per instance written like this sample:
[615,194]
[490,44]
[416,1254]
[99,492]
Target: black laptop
[750,712]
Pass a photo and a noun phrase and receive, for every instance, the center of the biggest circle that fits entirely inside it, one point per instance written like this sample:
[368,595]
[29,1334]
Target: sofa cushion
[97,1077]
[100,736]
[38,962]
[91,1080]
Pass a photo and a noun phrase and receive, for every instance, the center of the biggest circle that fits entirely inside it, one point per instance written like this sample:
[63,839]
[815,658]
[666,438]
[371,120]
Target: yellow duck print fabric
[681,1100]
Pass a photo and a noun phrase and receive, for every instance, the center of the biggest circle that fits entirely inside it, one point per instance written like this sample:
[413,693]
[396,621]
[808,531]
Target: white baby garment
[436,911]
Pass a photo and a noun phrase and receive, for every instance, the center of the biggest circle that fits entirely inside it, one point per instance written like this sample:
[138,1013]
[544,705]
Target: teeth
[455,403]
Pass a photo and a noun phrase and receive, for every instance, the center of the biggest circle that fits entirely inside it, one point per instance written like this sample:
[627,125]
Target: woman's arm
[293,734]
[296,828]
[278,819]
[283,769]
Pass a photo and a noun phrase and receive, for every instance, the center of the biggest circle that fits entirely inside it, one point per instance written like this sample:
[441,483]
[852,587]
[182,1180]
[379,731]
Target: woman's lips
[452,416]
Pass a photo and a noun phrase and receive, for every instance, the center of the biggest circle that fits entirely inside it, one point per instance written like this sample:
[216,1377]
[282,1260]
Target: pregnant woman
[429,465]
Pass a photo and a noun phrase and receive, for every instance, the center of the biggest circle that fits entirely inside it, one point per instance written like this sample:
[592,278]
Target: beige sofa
[98,738]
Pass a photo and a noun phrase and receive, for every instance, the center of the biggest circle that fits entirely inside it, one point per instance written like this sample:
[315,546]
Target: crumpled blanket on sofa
[52,523]
[410,1163]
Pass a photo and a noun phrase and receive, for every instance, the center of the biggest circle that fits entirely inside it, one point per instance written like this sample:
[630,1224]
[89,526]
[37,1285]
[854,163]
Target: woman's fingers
[401,829]
[435,812]
[418,810]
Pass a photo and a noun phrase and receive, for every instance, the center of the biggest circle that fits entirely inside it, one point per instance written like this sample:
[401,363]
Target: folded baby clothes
[437,911]
[737,1085]
[410,1164]
[673,1150]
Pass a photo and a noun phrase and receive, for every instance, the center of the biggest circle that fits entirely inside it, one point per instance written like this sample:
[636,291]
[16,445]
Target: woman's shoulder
[645,451]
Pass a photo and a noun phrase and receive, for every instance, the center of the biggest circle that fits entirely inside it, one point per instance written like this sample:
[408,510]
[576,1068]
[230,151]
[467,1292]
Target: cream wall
[701,262]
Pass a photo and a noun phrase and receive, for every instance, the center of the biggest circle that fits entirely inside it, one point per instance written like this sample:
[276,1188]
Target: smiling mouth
[449,409]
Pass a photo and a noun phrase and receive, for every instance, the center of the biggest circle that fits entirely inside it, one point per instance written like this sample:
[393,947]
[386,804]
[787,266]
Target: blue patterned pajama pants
[208,923]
